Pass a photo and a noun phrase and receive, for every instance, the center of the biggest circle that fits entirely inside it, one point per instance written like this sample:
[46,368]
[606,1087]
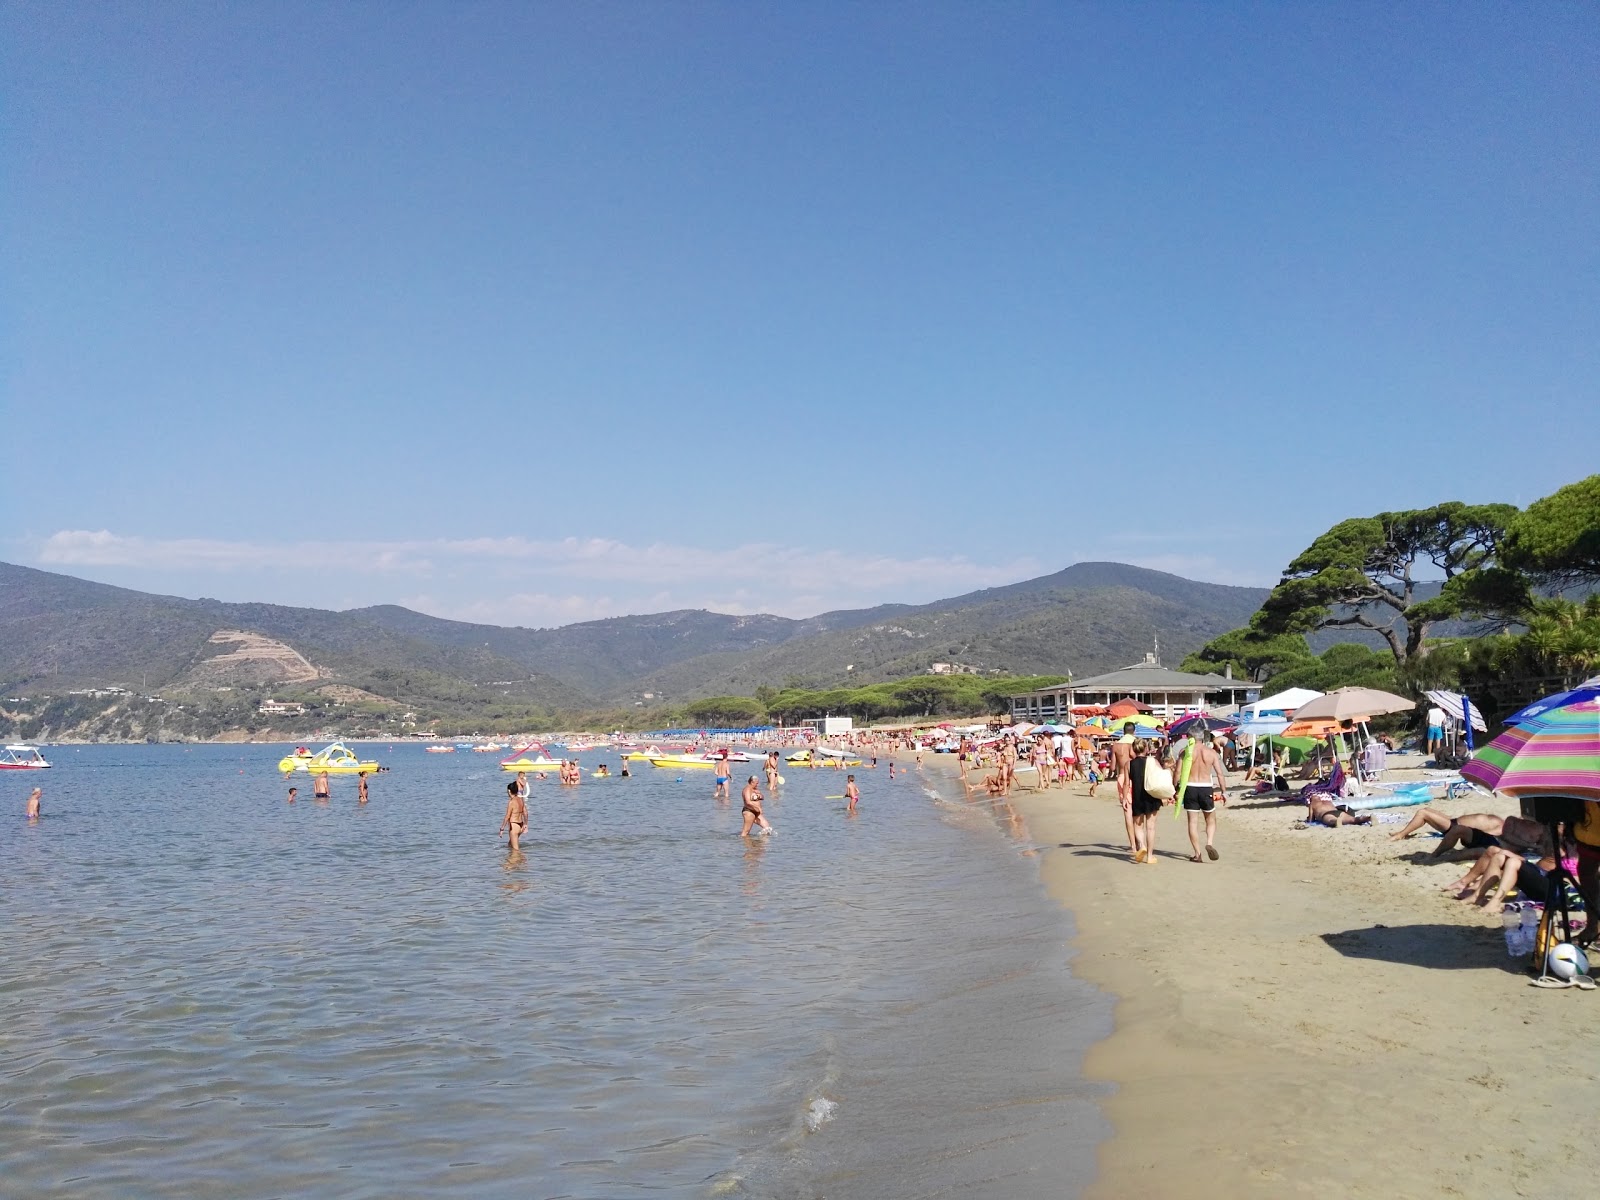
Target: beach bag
[1158,781]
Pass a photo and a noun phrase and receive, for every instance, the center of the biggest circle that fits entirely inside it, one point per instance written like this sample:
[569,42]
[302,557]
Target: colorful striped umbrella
[1556,753]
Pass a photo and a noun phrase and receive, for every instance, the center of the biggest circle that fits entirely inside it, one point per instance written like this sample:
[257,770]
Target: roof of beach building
[1146,677]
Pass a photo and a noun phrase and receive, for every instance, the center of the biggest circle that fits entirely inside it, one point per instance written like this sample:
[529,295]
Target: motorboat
[337,759]
[489,748]
[22,758]
[441,749]
[523,758]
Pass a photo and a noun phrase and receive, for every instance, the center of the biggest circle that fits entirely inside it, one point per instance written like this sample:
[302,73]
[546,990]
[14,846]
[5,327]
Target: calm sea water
[207,992]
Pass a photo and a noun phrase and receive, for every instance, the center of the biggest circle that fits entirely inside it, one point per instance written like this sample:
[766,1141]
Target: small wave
[819,1112]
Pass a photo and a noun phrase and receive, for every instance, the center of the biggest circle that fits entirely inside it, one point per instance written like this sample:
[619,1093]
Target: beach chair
[1333,785]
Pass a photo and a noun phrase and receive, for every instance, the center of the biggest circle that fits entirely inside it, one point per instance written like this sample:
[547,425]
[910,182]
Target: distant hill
[58,633]
[1088,618]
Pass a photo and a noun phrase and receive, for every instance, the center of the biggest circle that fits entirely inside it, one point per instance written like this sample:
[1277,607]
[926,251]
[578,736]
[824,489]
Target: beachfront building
[1168,693]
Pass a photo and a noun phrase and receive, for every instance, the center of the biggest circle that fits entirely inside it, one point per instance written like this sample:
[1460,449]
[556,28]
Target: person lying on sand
[1511,871]
[1321,810]
[1477,831]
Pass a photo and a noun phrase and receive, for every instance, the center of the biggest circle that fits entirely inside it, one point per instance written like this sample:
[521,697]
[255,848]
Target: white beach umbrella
[1352,703]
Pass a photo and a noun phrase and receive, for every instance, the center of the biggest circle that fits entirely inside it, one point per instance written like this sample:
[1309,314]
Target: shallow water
[209,992]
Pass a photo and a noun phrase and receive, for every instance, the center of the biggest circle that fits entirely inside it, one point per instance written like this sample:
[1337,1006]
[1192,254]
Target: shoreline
[1310,1015]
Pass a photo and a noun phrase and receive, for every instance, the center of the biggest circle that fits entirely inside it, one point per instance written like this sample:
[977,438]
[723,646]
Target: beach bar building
[1168,693]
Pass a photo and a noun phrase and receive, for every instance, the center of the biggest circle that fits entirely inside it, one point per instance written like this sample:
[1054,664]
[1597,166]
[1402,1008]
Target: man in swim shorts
[752,809]
[516,819]
[33,803]
[1200,799]
[723,778]
[320,789]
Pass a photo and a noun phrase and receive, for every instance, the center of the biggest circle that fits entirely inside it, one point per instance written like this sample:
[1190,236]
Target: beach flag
[1466,719]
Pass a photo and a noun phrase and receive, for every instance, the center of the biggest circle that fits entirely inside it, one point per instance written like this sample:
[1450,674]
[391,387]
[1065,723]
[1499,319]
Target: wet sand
[1311,1016]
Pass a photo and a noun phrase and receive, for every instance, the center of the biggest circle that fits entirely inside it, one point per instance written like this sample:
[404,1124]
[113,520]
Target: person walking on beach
[320,789]
[752,809]
[33,803]
[851,793]
[1121,764]
[1200,799]
[1144,806]
[516,819]
[361,787]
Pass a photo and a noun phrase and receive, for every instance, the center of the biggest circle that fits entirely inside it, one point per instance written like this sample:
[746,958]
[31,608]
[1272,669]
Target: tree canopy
[1363,573]
[1559,537]
[1252,654]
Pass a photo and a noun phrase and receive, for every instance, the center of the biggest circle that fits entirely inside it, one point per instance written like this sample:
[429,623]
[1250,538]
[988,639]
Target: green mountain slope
[1089,618]
[58,633]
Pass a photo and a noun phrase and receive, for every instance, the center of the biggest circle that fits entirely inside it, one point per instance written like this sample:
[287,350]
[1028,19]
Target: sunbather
[1477,831]
[1513,872]
[1320,810]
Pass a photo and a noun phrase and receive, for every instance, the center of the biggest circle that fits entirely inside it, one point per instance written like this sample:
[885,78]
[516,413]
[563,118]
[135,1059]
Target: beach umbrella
[1556,753]
[1311,728]
[1588,690]
[1196,723]
[1139,720]
[1353,704]
[1124,708]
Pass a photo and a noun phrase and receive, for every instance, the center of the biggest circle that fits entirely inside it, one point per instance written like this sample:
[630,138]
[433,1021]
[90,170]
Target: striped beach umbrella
[1556,753]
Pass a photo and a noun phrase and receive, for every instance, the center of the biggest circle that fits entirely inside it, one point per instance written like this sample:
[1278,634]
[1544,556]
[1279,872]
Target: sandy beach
[1311,1015]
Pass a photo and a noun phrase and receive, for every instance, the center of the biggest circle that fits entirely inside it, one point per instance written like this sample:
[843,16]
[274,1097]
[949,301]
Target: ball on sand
[1566,961]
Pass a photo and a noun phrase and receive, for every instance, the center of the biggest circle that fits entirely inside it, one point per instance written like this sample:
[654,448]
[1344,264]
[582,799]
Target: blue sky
[534,313]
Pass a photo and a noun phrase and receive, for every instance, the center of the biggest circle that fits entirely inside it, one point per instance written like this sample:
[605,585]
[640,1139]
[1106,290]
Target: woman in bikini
[752,808]
[516,815]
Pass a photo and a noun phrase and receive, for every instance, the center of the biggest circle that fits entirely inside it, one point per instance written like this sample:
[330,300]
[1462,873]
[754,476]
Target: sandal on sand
[1138,856]
[1584,983]
[1196,858]
[1211,853]
[1552,984]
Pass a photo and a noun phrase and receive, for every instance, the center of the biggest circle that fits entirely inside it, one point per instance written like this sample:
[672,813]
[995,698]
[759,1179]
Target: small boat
[488,747]
[523,760]
[692,761]
[441,749]
[22,758]
[336,759]
[823,754]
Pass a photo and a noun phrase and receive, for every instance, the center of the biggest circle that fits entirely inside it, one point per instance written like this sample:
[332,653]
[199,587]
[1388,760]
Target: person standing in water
[33,803]
[851,793]
[752,809]
[724,778]
[320,789]
[516,819]
[361,788]
[293,792]
[772,771]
